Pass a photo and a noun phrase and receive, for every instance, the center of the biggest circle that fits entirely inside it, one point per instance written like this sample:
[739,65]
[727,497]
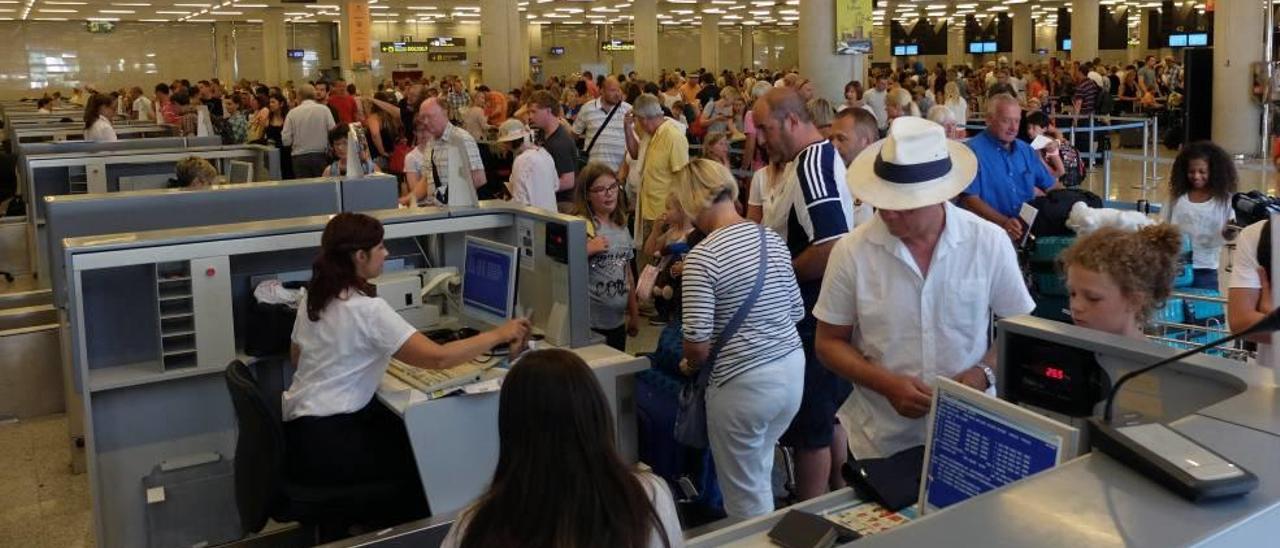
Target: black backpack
[1253,206]
[1055,207]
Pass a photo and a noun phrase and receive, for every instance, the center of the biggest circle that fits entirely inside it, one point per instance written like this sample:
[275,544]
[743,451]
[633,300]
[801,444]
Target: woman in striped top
[757,378]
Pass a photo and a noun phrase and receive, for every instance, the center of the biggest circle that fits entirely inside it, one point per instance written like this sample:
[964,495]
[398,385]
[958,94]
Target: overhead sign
[618,45]
[557,50]
[447,42]
[447,56]
[403,47]
[100,27]
[295,53]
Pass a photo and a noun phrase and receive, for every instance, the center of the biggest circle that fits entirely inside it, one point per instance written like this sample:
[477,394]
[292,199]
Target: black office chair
[262,488]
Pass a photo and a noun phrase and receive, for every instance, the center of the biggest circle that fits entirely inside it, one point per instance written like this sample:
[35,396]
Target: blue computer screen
[988,47]
[913,49]
[1177,40]
[975,47]
[1198,39]
[899,50]
[487,280]
[975,451]
[1066,44]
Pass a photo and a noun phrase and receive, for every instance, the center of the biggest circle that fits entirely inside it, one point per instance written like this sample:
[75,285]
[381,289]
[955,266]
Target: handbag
[649,277]
[691,417]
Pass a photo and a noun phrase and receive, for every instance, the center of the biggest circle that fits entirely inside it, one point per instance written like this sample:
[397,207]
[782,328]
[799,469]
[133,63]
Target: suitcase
[690,473]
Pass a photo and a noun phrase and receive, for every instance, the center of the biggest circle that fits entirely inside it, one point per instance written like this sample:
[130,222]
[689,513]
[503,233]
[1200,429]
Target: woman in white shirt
[533,173]
[336,433]
[98,112]
[955,102]
[560,480]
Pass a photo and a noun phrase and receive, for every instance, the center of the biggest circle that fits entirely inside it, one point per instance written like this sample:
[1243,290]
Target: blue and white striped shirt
[718,276]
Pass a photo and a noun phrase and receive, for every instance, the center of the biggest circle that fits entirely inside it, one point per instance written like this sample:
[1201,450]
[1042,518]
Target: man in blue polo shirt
[1009,173]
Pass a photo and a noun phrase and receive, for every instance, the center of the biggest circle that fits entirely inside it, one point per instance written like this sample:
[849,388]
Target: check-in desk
[154,318]
[75,216]
[55,131]
[65,173]
[455,439]
[1094,500]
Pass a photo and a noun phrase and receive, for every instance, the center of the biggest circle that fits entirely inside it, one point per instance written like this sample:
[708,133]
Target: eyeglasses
[606,190]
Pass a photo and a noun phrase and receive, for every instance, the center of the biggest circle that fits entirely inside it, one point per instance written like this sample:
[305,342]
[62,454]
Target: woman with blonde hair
[741,304]
[194,172]
[716,148]
[954,102]
[822,113]
[898,103]
[719,115]
[474,120]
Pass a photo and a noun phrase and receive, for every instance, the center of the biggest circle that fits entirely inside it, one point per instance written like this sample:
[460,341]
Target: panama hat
[915,166]
[511,130]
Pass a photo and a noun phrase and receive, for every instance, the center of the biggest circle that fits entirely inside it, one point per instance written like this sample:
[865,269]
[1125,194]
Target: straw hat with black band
[915,166]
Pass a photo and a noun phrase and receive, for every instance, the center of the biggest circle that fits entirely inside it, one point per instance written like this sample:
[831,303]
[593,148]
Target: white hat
[915,166]
[511,130]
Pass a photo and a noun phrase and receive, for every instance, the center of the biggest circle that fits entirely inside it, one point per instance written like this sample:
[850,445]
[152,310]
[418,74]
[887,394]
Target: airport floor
[44,505]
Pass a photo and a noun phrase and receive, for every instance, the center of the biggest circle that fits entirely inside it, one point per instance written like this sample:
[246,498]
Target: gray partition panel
[118,212]
[145,143]
[369,193]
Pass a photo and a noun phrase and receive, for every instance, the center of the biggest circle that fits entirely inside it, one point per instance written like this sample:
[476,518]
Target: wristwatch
[991,375]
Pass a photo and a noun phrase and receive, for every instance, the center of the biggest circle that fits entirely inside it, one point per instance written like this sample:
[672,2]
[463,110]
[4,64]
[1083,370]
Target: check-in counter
[116,212]
[66,173]
[62,131]
[152,388]
[1095,500]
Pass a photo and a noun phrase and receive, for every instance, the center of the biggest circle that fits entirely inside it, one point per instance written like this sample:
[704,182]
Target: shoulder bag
[691,417]
[585,156]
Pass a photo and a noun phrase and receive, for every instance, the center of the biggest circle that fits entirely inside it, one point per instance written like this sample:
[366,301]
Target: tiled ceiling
[559,12]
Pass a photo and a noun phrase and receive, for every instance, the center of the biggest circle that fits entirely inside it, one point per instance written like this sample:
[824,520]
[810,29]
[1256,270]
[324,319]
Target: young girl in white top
[1201,183]
[343,339]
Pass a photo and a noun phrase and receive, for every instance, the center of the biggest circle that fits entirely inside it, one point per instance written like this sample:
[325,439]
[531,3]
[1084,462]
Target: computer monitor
[988,47]
[913,49]
[1177,40]
[1198,39]
[239,172]
[489,281]
[1066,44]
[975,47]
[899,50]
[976,443]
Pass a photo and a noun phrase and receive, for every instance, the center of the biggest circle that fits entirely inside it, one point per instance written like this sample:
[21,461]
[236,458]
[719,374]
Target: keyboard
[437,382]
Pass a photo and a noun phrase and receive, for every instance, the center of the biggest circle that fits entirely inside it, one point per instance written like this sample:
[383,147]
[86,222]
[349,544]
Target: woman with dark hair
[559,479]
[277,109]
[98,111]
[338,141]
[342,341]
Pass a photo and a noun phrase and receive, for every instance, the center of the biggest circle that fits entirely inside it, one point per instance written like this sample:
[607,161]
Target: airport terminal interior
[639,273]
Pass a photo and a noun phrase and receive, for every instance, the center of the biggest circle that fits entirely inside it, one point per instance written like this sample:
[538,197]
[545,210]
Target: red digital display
[1055,373]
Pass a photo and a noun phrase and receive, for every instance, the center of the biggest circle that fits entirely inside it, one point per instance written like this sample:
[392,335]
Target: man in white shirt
[875,98]
[908,297]
[610,144]
[141,106]
[449,167]
[306,129]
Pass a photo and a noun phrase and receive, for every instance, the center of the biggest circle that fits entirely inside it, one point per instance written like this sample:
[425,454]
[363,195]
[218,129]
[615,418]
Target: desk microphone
[1168,457]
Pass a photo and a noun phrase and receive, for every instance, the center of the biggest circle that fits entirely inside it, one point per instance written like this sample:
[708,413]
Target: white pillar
[274,64]
[1023,32]
[1238,31]
[817,45]
[1084,29]
[748,40]
[503,69]
[710,42]
[225,49]
[881,35]
[645,31]
[956,53]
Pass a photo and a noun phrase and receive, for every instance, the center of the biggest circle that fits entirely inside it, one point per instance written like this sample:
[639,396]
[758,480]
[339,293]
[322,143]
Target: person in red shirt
[342,102]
